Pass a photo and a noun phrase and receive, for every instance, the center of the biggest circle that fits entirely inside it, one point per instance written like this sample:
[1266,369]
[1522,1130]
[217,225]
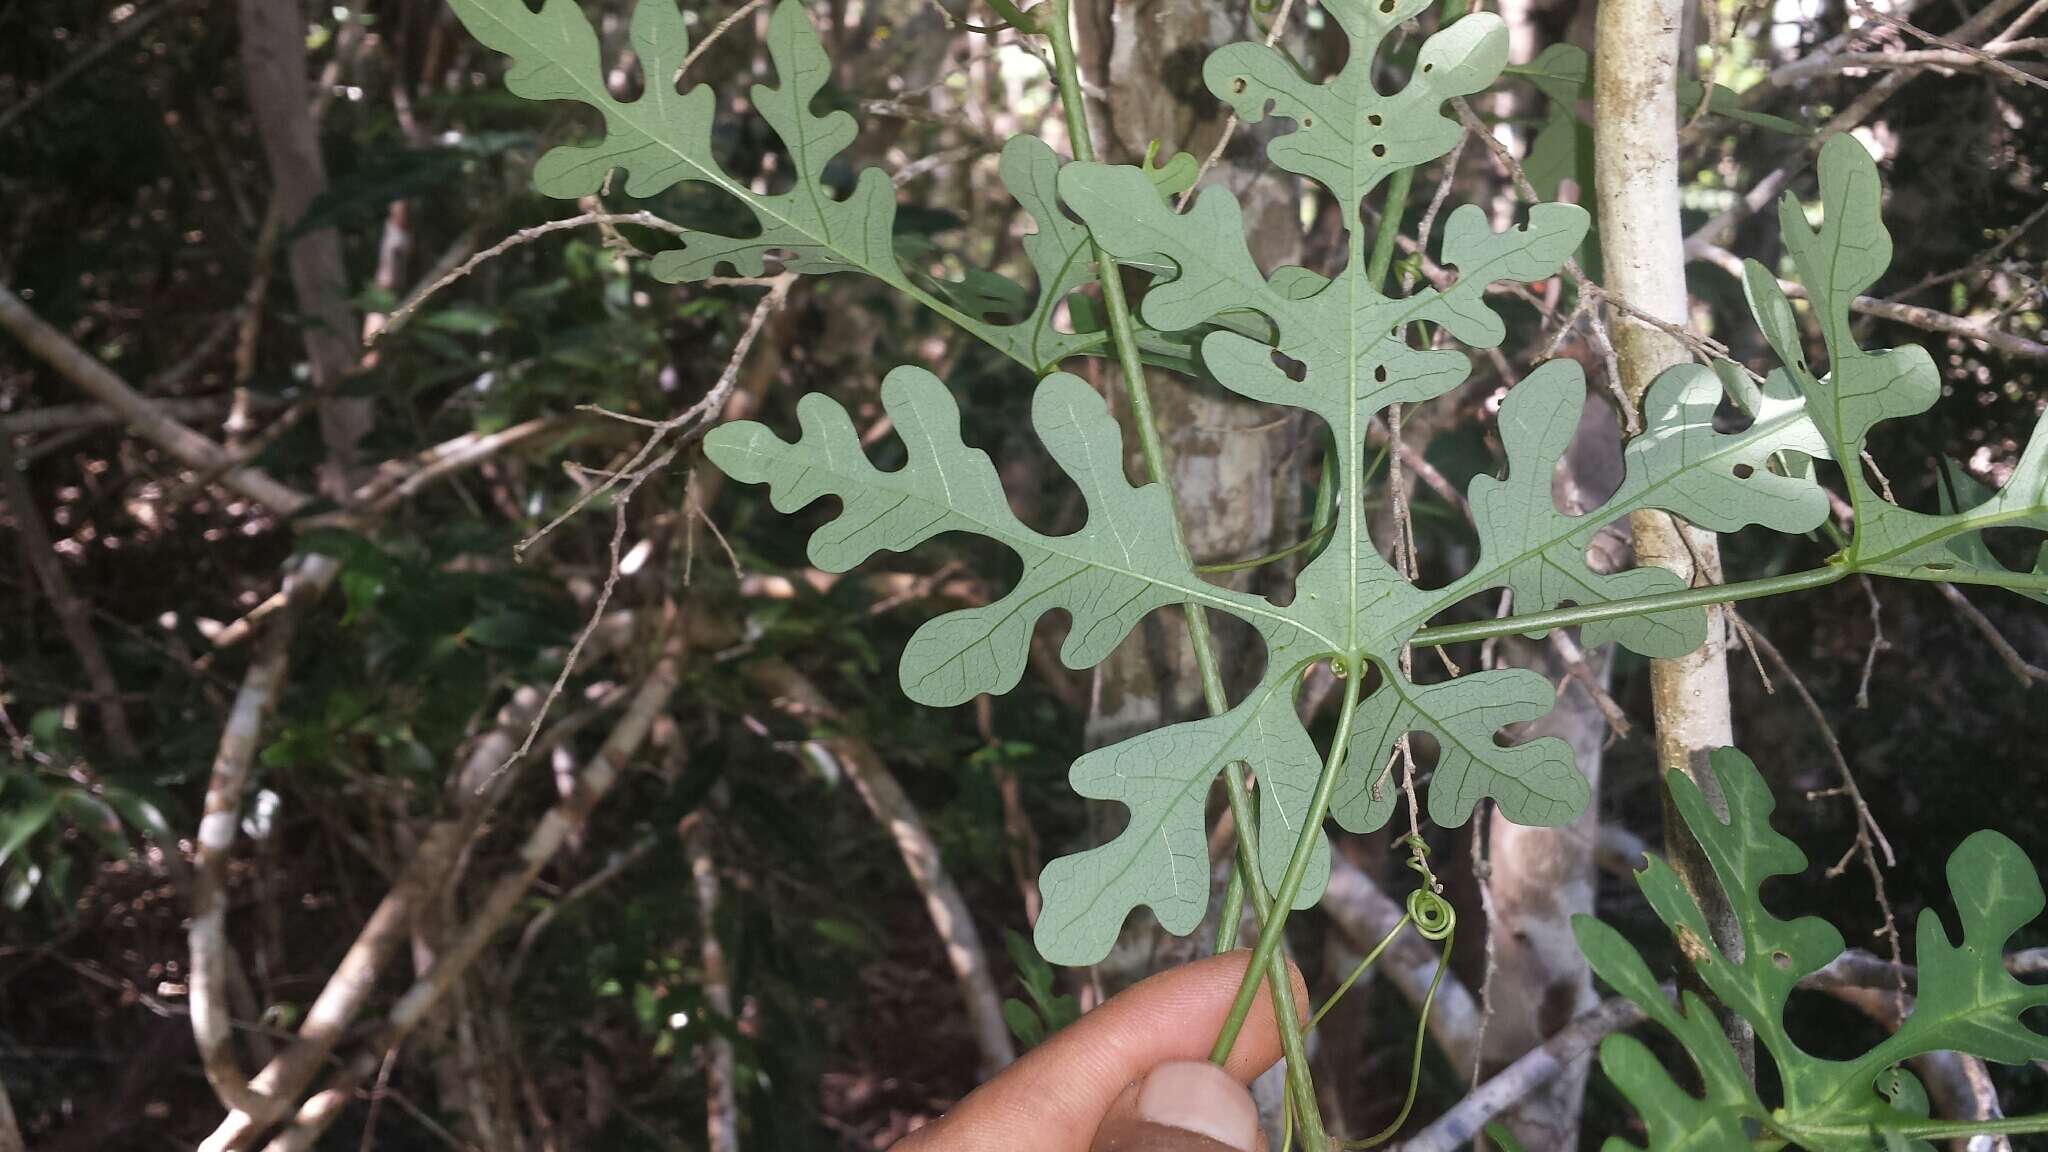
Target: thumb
[1186,1106]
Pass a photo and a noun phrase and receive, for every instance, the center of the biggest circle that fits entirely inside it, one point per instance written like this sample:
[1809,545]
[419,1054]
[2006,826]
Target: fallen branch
[561,822]
[211,963]
[399,482]
[138,411]
[612,870]
[796,696]
[355,977]
[1537,1067]
[72,613]
[47,418]
[721,1108]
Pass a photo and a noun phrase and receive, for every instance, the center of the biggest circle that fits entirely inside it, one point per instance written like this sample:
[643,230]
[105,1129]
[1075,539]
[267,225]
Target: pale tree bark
[1635,151]
[10,1131]
[273,60]
[721,1106]
[1539,878]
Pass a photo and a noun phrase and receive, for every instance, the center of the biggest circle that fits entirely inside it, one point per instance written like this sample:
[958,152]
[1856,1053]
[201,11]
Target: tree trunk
[1635,150]
[274,83]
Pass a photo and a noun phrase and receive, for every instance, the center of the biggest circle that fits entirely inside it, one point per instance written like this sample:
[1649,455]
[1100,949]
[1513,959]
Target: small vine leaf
[1059,251]
[1106,576]
[1966,1000]
[1348,136]
[1161,858]
[663,138]
[1681,463]
[1535,783]
[1675,1120]
[1836,261]
[1968,549]
[1013,320]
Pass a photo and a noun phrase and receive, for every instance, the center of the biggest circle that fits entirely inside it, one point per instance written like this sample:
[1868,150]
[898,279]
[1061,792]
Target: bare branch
[1878,644]
[72,613]
[2022,671]
[1230,122]
[412,304]
[542,844]
[1970,328]
[1765,191]
[47,418]
[1631,420]
[795,695]
[1814,67]
[721,1108]
[1456,1128]
[401,482]
[1870,839]
[353,980]
[1583,675]
[1844,41]
[138,411]
[613,868]
[211,963]
[1985,58]
[718,30]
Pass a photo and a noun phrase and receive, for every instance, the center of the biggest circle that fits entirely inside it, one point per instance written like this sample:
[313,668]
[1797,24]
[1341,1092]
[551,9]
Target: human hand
[1129,1076]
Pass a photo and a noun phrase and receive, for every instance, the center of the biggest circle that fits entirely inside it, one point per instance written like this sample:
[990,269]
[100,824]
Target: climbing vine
[1344,346]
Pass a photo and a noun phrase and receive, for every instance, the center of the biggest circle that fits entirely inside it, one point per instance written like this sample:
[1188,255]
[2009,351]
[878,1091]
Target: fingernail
[1203,1099]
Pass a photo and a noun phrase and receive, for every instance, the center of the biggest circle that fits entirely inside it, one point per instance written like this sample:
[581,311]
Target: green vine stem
[1272,928]
[1271,912]
[1633,606]
[1290,881]
[1390,227]
[1836,569]
[1322,520]
[1434,919]
[1823,1134]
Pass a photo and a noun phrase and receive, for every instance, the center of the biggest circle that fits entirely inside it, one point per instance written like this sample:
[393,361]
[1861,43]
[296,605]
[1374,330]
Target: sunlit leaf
[1966,1000]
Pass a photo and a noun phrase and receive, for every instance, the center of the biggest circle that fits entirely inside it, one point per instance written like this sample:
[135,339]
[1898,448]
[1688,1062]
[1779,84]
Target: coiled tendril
[1433,918]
